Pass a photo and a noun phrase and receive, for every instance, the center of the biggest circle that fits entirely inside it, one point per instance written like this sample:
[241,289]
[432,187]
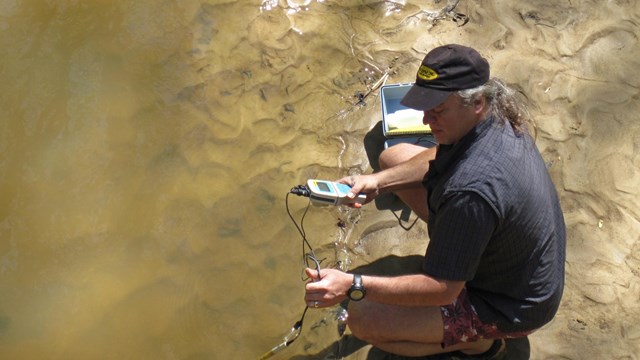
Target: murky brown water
[146,148]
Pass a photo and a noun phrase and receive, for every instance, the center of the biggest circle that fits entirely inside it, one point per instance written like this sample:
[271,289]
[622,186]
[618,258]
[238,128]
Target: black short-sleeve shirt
[495,222]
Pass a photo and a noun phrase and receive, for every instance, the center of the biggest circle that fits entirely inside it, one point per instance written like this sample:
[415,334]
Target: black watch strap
[357,290]
[357,280]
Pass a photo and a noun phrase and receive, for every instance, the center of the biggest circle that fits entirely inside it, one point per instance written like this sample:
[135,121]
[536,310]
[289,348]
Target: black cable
[305,243]
[426,137]
[307,256]
[406,228]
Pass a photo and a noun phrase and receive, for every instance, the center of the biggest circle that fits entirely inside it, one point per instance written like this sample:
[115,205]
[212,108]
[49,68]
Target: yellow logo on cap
[427,73]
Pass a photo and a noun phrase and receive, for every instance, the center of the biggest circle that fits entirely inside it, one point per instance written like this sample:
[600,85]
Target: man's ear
[479,104]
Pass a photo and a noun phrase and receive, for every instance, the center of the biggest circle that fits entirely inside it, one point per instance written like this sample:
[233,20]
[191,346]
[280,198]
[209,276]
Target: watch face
[357,291]
[356,294]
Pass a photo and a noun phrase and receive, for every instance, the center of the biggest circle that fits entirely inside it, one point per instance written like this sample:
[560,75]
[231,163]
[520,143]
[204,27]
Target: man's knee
[379,324]
[360,324]
[384,160]
[397,154]
[392,156]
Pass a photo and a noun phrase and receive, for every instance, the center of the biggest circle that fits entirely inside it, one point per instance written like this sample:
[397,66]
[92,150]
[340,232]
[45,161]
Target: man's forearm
[411,290]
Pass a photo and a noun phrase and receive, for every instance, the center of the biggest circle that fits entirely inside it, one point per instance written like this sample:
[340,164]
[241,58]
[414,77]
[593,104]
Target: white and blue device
[323,192]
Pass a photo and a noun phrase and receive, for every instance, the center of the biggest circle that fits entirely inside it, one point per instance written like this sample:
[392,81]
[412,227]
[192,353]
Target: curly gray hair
[503,103]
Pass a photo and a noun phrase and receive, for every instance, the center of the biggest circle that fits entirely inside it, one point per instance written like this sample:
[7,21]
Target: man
[494,266]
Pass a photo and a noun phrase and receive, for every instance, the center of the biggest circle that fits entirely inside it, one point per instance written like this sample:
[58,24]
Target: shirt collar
[447,154]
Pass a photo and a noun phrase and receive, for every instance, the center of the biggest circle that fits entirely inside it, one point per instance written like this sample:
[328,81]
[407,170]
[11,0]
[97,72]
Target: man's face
[451,120]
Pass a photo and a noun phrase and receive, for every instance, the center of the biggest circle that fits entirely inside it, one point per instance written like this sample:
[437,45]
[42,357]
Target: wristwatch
[357,291]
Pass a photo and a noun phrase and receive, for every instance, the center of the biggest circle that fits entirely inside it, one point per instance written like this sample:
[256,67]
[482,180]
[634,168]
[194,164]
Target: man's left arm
[405,290]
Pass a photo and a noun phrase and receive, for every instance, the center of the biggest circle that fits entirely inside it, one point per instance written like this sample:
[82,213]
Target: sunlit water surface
[146,150]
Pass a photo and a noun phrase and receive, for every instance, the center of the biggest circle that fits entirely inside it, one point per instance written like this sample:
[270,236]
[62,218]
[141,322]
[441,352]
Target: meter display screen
[323,186]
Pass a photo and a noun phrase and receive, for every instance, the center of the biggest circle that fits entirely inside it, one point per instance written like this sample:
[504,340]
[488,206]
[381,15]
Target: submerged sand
[577,62]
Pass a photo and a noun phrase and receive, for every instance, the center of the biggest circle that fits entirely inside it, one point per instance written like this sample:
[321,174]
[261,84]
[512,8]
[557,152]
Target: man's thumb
[312,273]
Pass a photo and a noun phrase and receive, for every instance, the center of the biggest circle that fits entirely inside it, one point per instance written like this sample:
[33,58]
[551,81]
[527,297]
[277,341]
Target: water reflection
[147,148]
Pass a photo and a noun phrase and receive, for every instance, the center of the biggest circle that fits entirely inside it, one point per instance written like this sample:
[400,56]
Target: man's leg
[406,331]
[415,198]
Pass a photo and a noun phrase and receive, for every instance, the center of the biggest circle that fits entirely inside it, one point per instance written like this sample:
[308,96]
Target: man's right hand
[367,184]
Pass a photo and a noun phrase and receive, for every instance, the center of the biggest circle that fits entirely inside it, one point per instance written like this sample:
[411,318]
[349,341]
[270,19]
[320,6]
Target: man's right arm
[405,175]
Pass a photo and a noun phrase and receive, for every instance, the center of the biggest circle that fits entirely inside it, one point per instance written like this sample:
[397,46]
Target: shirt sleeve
[460,232]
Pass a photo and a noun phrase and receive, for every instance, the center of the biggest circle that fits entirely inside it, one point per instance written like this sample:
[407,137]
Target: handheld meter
[325,192]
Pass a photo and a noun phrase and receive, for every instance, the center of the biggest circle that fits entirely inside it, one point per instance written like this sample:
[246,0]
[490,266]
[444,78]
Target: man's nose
[427,118]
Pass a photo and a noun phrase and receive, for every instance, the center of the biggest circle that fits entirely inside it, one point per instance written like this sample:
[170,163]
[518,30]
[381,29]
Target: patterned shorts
[462,324]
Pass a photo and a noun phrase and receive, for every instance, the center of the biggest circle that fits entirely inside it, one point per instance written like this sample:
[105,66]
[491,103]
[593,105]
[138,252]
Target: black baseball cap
[445,70]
